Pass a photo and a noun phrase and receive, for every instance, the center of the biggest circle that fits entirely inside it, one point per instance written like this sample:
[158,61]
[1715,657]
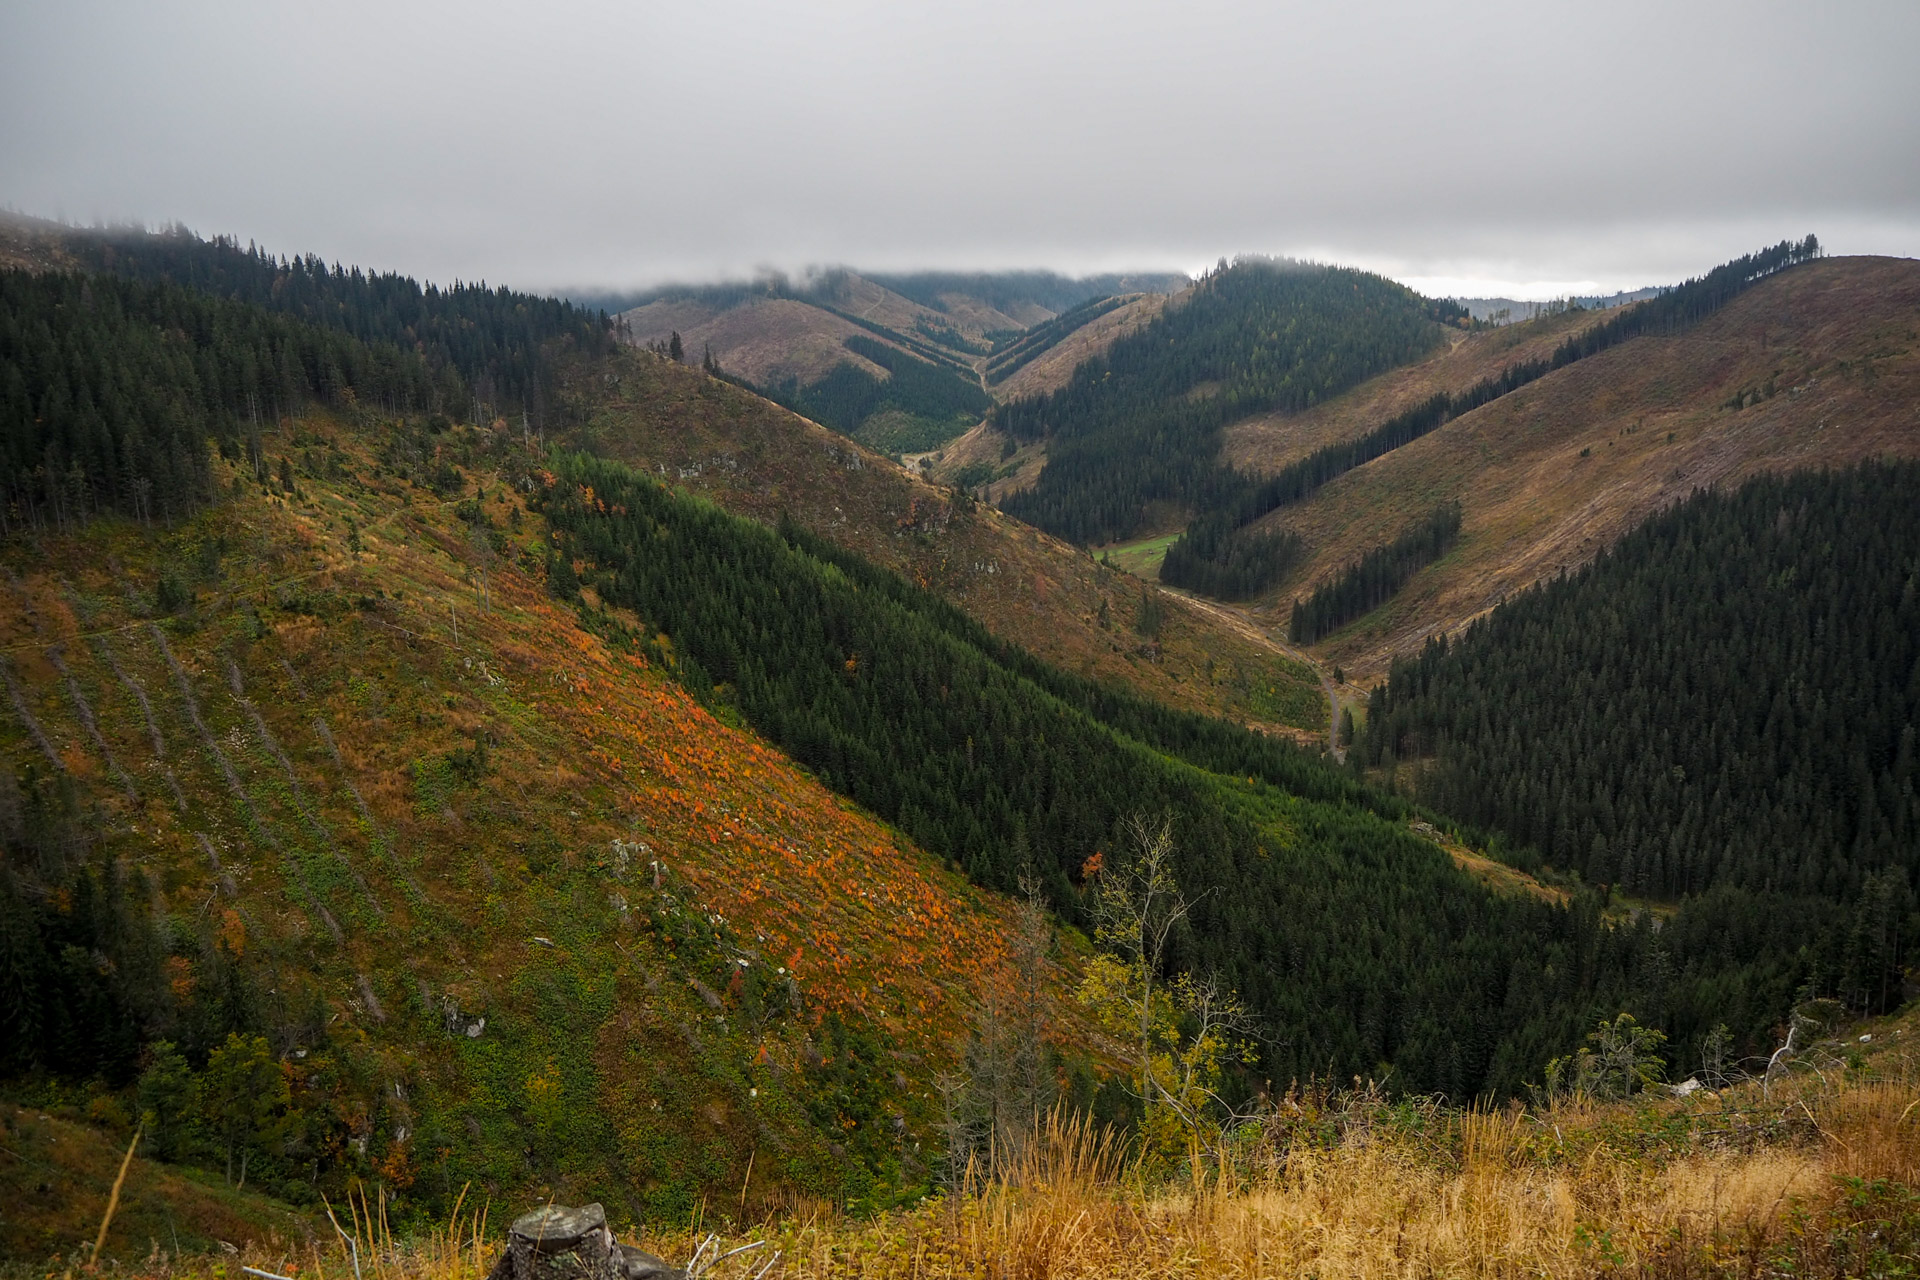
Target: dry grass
[1263,444]
[1811,1180]
[767,340]
[764,340]
[1568,1193]
[58,1177]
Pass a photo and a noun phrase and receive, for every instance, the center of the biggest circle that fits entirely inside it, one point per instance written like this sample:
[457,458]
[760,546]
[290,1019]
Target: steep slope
[1133,437]
[989,462]
[766,341]
[510,907]
[842,350]
[1051,370]
[1817,366]
[757,459]
[1264,443]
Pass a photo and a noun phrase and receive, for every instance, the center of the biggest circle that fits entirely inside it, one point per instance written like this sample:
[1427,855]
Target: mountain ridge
[1821,360]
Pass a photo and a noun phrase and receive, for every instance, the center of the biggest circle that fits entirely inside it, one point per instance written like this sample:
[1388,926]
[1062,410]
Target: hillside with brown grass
[1818,366]
[768,337]
[1051,370]
[567,931]
[764,340]
[983,451]
[1262,445]
[757,459]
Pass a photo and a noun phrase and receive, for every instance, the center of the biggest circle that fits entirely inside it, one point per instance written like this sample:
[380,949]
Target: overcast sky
[1527,149]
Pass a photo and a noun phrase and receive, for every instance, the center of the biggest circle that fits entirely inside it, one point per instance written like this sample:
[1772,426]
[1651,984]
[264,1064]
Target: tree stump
[559,1243]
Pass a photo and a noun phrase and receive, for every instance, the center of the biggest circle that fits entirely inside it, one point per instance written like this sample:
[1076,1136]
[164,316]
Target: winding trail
[1246,626]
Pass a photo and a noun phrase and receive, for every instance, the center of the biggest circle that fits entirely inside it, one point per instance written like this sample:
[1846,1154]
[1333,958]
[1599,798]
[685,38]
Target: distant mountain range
[1510,310]
[898,362]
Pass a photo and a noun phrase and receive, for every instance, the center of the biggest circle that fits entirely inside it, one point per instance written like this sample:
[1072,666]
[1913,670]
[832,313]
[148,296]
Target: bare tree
[1138,904]
[992,1108]
[1183,1031]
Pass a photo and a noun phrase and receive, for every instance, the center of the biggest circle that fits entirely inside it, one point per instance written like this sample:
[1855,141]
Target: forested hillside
[1140,424]
[1816,365]
[112,384]
[1356,943]
[1211,541]
[1721,706]
[500,342]
[1374,578]
[1016,353]
[314,797]
[111,391]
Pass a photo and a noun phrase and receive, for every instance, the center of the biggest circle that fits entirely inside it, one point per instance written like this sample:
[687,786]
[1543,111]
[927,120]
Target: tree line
[500,342]
[1376,577]
[1721,709]
[111,390]
[1231,568]
[1020,351]
[1216,535]
[115,381]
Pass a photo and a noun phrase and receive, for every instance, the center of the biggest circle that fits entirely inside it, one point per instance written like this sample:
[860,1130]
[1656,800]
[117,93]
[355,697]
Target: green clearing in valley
[1142,558]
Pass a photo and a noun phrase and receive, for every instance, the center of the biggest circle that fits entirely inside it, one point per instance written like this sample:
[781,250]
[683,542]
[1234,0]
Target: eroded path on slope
[1239,620]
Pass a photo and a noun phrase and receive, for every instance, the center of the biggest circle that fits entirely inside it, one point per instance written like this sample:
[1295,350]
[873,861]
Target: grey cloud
[617,143]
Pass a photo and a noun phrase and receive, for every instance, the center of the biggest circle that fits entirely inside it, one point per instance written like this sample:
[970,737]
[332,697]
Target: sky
[1525,150]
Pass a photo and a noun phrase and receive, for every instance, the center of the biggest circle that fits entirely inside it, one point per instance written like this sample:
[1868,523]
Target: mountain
[416,809]
[329,766]
[1814,366]
[1225,551]
[896,361]
[1131,438]
[1721,706]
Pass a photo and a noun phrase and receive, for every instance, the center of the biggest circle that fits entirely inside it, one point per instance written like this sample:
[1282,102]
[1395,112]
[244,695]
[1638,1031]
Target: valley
[904,364]
[908,642]
[759,460]
[457,743]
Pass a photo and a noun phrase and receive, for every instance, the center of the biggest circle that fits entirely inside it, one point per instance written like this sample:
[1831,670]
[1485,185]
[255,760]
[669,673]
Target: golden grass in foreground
[1493,1198]
[1813,1180]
